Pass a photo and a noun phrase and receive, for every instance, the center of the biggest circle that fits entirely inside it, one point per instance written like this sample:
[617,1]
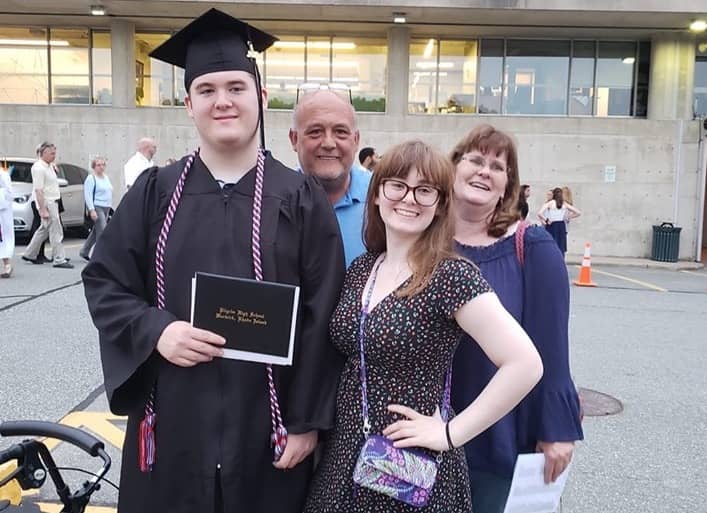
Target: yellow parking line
[98,422]
[631,280]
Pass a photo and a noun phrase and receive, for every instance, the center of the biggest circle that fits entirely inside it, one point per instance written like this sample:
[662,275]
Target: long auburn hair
[488,139]
[557,196]
[435,243]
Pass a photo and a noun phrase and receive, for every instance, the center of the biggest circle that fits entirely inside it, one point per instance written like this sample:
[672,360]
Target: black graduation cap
[215,41]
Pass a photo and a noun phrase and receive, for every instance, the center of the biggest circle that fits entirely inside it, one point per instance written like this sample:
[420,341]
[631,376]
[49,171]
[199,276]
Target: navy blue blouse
[538,297]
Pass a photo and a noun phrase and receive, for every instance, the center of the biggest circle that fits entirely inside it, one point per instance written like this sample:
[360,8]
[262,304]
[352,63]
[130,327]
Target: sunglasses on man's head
[335,87]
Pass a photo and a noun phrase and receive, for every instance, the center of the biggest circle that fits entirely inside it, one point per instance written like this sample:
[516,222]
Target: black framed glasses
[396,190]
[335,87]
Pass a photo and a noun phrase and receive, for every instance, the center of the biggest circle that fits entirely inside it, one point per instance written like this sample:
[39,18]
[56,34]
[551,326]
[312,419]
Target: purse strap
[364,389]
[520,242]
[146,439]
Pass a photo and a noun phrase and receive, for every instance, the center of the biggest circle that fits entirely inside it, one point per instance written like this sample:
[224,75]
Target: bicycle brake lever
[30,473]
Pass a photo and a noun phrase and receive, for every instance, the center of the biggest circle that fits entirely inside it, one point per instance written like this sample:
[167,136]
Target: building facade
[603,96]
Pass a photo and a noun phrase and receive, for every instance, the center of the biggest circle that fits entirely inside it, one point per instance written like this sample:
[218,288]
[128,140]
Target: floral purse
[407,475]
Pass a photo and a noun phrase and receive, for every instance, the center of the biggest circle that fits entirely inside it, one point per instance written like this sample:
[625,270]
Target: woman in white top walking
[554,215]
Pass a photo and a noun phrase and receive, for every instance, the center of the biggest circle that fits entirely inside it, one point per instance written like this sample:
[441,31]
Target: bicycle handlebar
[13,453]
[33,428]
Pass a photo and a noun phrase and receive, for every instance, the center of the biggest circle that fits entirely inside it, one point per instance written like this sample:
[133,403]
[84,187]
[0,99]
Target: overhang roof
[576,18]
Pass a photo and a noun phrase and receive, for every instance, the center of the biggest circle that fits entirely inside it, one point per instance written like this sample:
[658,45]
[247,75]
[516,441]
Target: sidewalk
[680,265]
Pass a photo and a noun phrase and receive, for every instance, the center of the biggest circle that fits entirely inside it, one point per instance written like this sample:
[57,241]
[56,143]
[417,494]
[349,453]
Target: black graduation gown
[216,413]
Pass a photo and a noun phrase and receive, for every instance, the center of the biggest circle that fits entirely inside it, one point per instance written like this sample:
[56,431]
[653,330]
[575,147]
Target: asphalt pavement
[639,337]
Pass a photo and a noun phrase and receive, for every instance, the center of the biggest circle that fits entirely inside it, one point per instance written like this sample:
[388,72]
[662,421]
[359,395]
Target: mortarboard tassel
[146,442]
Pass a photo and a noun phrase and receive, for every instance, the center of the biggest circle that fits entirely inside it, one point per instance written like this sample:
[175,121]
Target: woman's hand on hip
[418,430]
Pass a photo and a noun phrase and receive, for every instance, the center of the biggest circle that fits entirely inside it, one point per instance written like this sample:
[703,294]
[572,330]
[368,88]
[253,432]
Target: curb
[637,262]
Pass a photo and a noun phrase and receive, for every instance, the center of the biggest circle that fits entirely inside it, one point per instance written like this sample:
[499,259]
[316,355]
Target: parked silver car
[71,179]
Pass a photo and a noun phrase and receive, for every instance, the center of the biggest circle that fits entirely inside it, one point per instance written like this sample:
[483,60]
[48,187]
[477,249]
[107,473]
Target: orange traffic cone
[585,273]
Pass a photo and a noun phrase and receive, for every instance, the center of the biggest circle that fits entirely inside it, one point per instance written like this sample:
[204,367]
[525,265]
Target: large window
[536,74]
[284,71]
[69,66]
[529,77]
[581,100]
[154,80]
[491,76]
[40,66]
[360,63]
[614,80]
[422,87]
[24,65]
[101,68]
[700,105]
[442,76]
[643,72]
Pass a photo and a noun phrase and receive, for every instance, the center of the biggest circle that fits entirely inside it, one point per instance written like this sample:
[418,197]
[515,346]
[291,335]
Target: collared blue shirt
[349,212]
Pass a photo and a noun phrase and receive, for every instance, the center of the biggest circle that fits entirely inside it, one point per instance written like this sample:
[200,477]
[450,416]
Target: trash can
[666,243]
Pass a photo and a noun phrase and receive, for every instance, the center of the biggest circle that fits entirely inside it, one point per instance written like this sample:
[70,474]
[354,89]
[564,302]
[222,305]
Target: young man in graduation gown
[213,415]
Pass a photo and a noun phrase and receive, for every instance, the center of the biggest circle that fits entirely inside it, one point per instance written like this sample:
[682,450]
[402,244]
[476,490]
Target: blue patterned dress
[409,344]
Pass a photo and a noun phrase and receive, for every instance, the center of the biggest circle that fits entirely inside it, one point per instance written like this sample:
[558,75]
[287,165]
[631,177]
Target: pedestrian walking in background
[523,201]
[146,149]
[404,305]
[98,196]
[48,196]
[7,229]
[527,272]
[554,215]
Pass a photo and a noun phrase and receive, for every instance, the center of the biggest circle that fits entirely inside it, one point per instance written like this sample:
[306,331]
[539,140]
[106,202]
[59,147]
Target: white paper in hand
[529,493]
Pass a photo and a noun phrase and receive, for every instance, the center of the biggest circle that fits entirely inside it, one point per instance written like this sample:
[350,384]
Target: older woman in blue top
[536,293]
[98,195]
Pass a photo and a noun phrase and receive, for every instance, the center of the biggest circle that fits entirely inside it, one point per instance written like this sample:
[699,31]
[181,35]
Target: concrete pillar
[398,70]
[671,85]
[122,57]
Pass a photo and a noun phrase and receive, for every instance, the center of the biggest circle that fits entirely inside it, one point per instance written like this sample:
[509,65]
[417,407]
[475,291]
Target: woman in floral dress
[419,298]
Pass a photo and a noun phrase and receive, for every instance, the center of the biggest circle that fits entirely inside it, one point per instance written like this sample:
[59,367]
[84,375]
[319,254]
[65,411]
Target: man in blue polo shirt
[325,137]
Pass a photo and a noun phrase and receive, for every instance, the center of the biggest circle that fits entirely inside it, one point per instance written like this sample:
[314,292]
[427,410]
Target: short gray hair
[45,145]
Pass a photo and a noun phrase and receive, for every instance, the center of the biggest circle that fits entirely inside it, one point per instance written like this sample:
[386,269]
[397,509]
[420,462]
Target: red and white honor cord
[278,438]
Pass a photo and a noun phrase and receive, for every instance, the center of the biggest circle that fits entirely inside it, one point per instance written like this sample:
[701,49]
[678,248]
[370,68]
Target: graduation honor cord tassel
[146,435]
[278,438]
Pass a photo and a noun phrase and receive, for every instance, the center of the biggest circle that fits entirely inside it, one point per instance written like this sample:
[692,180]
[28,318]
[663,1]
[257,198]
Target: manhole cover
[597,404]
